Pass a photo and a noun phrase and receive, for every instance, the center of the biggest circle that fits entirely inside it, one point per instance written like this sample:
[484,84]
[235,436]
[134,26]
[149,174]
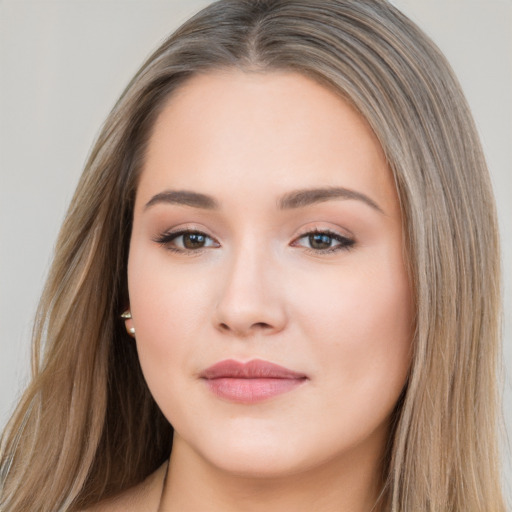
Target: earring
[127,315]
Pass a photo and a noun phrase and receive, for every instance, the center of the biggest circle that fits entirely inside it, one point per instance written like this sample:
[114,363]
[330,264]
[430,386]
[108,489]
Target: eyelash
[345,243]
[167,238]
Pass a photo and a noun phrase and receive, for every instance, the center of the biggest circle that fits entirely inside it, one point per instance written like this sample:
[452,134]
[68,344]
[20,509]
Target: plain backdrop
[63,64]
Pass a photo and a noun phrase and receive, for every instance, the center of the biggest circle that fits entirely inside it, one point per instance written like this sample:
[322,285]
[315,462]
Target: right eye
[184,241]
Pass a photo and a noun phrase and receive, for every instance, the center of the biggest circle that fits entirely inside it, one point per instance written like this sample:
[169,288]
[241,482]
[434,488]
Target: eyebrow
[307,197]
[184,198]
[291,200]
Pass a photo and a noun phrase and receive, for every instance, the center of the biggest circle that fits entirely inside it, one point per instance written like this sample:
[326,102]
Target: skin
[260,288]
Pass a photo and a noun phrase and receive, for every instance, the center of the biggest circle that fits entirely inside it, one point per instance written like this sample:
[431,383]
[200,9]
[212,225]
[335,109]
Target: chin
[259,462]
[259,453]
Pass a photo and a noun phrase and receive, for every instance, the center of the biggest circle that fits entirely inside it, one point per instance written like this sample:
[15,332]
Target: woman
[263,252]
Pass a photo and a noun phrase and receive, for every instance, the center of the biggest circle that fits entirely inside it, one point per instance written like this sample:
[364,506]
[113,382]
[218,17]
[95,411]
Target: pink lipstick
[250,382]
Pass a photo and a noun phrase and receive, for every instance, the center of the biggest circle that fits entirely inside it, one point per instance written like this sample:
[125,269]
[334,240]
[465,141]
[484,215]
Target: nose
[252,299]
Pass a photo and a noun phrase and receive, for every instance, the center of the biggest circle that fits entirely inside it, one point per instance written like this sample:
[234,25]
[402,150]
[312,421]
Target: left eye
[186,240]
[193,241]
[324,241]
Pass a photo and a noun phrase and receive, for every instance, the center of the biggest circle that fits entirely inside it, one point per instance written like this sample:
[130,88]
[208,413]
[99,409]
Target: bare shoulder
[144,497]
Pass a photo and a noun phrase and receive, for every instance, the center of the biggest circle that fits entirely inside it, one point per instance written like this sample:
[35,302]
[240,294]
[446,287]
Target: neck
[193,484]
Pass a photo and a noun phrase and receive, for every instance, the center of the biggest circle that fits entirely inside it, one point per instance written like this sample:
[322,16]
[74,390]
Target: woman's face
[267,230]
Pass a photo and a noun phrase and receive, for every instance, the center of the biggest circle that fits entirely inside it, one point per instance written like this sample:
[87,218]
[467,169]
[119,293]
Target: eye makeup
[192,241]
[324,241]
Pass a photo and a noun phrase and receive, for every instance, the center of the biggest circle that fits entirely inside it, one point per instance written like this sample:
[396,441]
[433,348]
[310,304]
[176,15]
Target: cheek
[362,322]
[165,298]
[169,310]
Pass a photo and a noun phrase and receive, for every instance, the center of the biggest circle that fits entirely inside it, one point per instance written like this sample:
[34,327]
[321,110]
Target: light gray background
[64,63]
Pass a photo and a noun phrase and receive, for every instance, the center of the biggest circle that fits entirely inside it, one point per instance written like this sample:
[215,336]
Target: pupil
[320,241]
[193,240]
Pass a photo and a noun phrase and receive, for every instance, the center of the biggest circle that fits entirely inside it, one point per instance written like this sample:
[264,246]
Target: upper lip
[254,369]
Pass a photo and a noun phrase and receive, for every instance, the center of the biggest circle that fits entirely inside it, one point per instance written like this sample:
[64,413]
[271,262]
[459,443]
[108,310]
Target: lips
[250,382]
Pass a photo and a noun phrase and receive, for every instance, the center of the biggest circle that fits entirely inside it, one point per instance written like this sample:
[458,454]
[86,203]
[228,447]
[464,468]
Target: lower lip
[251,390]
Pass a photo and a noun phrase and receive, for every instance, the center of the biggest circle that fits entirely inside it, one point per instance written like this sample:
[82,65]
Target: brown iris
[320,241]
[193,240]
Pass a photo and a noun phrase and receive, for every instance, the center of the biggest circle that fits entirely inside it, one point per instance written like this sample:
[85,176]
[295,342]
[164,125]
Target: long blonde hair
[87,426]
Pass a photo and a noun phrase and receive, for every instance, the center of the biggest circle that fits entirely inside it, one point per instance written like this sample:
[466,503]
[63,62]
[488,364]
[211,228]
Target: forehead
[246,131]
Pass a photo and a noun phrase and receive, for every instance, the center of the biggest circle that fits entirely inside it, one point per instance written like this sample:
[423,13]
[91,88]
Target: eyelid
[346,242]
[165,239]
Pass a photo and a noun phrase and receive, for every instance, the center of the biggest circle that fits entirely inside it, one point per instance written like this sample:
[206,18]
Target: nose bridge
[250,299]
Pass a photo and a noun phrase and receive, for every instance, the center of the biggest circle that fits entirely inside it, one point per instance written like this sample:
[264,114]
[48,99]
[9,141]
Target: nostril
[256,326]
[262,325]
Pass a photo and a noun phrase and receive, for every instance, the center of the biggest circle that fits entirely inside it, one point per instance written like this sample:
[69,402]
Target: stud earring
[127,315]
